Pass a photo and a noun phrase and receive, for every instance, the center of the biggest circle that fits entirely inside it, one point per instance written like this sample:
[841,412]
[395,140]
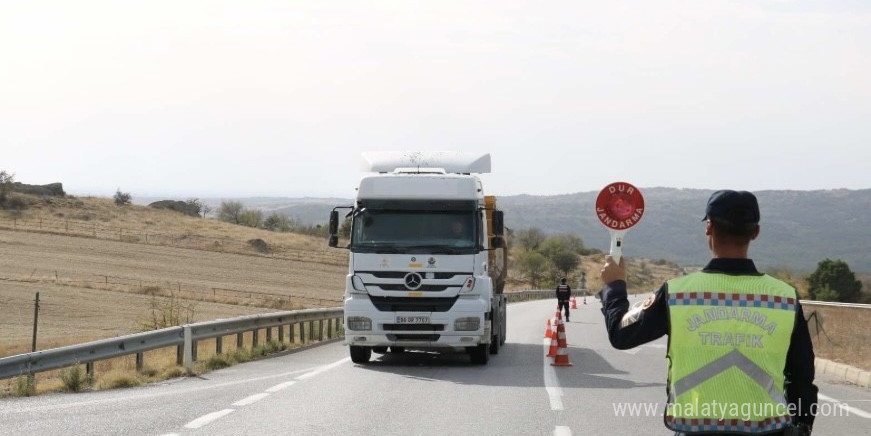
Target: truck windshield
[408,231]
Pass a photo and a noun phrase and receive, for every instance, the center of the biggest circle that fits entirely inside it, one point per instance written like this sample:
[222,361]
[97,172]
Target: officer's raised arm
[630,327]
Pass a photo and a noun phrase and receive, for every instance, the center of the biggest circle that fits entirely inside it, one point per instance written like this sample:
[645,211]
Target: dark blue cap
[736,207]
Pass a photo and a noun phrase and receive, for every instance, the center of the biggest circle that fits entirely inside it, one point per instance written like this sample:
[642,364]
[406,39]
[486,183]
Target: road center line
[323,369]
[281,386]
[852,410]
[562,431]
[250,400]
[551,382]
[207,419]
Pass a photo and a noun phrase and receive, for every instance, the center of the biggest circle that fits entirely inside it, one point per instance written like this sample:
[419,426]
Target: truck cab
[427,260]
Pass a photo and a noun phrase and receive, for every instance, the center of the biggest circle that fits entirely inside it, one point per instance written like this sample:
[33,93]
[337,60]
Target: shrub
[25,386]
[122,198]
[73,378]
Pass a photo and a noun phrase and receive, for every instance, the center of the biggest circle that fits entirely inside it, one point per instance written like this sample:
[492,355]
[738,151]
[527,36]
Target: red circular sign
[620,206]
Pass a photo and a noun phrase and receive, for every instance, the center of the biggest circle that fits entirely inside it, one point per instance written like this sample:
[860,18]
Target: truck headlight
[359,323]
[357,285]
[467,324]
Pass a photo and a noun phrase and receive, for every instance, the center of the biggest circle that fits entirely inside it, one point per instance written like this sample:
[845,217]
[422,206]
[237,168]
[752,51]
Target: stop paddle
[619,206]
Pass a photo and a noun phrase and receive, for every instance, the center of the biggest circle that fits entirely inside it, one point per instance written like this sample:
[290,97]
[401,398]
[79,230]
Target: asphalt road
[319,391]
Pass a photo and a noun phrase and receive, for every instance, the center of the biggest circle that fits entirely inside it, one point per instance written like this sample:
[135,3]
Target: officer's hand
[613,272]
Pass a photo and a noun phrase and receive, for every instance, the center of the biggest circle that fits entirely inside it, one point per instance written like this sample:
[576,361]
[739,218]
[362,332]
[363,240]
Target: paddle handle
[616,248]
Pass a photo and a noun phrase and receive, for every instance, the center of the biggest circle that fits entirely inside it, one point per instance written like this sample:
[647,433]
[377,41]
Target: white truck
[427,257]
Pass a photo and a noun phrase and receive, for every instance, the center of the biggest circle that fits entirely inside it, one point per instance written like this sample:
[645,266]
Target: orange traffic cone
[574,303]
[561,356]
[554,345]
[547,330]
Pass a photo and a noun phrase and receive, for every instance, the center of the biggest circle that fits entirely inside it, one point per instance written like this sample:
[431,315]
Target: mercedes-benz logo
[413,281]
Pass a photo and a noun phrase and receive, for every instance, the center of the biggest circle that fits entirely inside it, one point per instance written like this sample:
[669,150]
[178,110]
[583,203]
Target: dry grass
[841,334]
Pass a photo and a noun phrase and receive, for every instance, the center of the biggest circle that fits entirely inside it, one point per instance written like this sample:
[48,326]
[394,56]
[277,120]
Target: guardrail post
[89,372]
[188,350]
[219,345]
[311,331]
[281,334]
[268,334]
[140,361]
[255,338]
[330,328]
[194,346]
[179,355]
[292,333]
[302,333]
[240,340]
[320,330]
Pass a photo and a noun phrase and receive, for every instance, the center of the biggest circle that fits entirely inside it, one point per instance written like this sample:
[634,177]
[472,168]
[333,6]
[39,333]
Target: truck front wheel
[480,354]
[360,354]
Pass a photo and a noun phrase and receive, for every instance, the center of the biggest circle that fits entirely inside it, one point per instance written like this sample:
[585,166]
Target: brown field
[98,266]
[840,334]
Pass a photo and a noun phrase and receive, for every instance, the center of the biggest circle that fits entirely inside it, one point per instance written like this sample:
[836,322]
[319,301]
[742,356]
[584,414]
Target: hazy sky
[278,98]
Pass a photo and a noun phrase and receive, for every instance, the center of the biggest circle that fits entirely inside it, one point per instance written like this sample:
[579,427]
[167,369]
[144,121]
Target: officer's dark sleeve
[800,388]
[652,323]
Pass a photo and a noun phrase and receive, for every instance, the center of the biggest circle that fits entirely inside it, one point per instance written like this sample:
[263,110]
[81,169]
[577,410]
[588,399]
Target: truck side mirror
[334,228]
[497,242]
[498,223]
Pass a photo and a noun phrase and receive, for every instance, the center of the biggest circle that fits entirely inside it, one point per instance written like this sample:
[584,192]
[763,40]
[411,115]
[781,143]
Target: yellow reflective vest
[728,343]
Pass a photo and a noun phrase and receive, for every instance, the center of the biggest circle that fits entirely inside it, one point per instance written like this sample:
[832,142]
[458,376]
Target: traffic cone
[561,356]
[574,303]
[554,345]
[547,331]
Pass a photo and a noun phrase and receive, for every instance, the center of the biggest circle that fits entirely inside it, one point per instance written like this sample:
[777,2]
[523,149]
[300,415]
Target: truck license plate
[412,320]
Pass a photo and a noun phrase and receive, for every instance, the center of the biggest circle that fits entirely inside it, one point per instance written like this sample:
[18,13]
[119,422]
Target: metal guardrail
[833,304]
[185,339]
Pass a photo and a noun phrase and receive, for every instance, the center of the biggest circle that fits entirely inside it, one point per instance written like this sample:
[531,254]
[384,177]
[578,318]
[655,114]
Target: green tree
[251,218]
[278,222]
[230,212]
[531,265]
[834,281]
[529,238]
[565,262]
[194,207]
[6,181]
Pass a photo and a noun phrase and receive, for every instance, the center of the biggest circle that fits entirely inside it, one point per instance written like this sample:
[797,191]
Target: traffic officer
[563,294]
[740,358]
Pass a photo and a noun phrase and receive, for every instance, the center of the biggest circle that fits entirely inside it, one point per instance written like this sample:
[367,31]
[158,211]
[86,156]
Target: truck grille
[423,288]
[412,304]
[401,274]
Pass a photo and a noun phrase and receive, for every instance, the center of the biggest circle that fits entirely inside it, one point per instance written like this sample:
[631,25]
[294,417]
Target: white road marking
[250,400]
[323,369]
[551,382]
[277,388]
[208,419]
[562,431]
[852,410]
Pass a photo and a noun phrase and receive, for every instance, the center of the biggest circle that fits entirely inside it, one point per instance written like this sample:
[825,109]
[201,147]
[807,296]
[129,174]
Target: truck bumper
[440,334]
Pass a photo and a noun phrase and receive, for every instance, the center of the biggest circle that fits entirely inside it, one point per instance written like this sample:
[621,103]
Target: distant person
[740,359]
[563,294]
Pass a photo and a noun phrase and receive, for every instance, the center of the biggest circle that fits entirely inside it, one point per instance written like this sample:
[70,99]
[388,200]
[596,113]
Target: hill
[799,228]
